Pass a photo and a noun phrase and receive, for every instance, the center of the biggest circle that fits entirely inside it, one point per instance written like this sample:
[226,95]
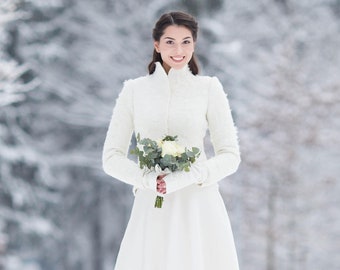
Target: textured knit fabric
[192,230]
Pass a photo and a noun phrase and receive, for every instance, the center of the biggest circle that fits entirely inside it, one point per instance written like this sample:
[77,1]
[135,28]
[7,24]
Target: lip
[177,59]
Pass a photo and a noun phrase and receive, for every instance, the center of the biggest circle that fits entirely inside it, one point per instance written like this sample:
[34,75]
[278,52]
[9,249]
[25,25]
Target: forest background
[62,65]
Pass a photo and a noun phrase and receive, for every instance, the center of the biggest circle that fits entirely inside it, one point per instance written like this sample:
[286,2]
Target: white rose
[180,149]
[159,143]
[171,148]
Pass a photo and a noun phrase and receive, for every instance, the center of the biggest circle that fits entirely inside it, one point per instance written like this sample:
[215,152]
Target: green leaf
[195,150]
[150,155]
[170,138]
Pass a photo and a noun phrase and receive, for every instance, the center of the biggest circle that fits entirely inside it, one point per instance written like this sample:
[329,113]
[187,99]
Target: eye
[186,41]
[170,42]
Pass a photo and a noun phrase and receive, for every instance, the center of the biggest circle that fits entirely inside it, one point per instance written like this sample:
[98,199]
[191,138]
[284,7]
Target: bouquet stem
[159,202]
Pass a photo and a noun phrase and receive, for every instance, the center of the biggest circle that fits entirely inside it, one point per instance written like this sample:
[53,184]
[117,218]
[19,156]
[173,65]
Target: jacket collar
[174,75]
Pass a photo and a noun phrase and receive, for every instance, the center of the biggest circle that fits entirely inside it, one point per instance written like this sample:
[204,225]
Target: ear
[156,45]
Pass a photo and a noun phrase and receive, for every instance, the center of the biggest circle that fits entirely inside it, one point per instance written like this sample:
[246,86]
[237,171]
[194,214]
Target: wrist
[149,180]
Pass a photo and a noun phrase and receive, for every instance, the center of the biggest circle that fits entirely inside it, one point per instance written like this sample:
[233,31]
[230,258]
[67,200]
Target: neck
[166,67]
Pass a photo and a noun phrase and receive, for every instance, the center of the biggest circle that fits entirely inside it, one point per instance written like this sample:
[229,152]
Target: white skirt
[190,232]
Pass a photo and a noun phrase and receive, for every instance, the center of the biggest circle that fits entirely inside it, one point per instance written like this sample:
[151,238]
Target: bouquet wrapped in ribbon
[164,156]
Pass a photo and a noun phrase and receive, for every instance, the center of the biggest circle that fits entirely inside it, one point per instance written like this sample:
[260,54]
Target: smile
[177,58]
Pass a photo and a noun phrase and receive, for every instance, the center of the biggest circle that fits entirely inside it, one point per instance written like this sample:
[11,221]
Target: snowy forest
[62,65]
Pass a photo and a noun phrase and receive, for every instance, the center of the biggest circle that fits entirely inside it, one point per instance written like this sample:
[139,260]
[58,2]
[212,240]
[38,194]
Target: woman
[192,230]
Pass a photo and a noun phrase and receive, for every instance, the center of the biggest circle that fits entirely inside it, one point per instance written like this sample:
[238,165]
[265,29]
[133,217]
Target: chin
[179,65]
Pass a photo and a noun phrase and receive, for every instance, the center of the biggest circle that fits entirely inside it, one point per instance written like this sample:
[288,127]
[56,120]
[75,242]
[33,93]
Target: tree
[274,65]
[74,56]
[75,49]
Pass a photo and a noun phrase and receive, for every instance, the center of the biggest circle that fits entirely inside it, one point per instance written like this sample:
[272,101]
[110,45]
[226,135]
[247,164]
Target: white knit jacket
[178,103]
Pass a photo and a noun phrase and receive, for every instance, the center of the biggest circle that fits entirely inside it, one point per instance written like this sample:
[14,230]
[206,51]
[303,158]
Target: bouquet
[164,156]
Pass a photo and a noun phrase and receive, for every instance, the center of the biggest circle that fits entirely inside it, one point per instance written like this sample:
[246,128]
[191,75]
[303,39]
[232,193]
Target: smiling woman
[175,31]
[176,47]
[191,229]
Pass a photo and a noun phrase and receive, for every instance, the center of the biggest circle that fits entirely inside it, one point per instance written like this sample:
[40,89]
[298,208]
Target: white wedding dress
[192,230]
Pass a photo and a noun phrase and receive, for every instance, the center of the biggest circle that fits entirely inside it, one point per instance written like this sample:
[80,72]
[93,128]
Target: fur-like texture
[177,103]
[192,230]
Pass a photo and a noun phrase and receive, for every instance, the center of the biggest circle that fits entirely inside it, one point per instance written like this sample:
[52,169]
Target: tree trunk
[97,229]
[271,243]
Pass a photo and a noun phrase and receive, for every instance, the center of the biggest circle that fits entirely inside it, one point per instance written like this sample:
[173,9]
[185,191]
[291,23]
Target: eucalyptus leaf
[150,155]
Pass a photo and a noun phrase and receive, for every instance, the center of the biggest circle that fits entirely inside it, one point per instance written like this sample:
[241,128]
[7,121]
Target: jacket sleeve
[223,136]
[118,138]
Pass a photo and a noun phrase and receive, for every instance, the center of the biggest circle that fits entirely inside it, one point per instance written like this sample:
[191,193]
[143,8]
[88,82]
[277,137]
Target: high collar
[174,75]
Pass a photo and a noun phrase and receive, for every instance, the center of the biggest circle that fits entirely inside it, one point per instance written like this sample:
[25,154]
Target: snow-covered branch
[12,87]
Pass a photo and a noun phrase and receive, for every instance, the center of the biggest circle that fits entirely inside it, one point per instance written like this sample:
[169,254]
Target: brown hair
[174,18]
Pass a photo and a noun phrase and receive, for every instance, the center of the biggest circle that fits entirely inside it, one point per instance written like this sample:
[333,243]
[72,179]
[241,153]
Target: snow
[62,64]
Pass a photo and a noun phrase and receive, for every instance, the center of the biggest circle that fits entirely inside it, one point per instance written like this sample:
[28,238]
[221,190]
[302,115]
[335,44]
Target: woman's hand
[161,185]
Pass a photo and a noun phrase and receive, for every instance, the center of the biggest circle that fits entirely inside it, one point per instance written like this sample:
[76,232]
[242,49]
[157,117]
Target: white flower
[159,143]
[171,148]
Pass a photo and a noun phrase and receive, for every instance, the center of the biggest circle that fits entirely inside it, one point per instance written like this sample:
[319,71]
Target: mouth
[177,59]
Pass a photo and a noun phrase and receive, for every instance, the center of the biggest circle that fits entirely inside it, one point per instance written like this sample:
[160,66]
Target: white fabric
[192,230]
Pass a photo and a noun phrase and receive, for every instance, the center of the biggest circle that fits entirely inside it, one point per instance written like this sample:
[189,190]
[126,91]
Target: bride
[192,230]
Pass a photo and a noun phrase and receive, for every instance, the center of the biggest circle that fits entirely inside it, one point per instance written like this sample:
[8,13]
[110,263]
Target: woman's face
[176,47]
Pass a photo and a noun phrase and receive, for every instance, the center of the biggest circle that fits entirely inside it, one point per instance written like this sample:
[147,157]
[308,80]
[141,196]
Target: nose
[178,48]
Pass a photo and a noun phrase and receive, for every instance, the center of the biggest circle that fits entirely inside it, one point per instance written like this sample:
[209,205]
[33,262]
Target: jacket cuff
[204,173]
[177,180]
[149,180]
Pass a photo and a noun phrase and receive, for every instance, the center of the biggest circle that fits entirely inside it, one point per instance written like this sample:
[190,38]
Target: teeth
[177,58]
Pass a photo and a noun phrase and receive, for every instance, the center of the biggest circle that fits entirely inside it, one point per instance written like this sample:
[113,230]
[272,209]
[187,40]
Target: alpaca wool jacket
[178,103]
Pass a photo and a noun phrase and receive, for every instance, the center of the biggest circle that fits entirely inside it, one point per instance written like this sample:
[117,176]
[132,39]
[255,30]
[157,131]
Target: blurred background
[62,65]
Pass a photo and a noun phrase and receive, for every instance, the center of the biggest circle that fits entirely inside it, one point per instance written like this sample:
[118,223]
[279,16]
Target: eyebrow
[174,39]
